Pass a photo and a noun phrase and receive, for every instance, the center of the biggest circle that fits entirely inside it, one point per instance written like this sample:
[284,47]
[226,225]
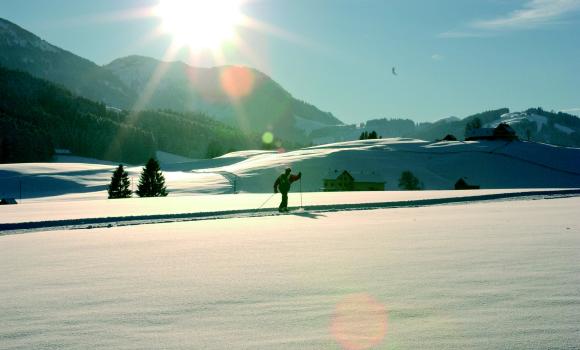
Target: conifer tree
[152,181]
[120,184]
[472,125]
[408,181]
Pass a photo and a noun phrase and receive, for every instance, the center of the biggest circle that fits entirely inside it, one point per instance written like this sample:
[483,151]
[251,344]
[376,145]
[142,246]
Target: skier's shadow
[308,215]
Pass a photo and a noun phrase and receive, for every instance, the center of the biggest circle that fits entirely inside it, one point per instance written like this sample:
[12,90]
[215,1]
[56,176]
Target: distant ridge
[556,128]
[24,51]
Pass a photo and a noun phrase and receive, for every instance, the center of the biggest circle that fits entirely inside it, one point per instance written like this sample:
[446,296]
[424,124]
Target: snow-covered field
[490,164]
[435,269]
[494,275]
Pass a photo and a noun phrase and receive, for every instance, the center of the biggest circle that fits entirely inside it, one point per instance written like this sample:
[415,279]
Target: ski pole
[267,200]
[301,192]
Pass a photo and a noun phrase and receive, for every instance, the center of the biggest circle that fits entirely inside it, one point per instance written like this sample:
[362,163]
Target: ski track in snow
[100,222]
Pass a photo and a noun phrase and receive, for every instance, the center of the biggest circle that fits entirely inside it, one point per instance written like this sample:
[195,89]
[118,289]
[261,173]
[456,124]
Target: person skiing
[283,183]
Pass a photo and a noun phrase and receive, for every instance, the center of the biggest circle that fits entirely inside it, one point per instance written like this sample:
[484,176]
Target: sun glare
[199,24]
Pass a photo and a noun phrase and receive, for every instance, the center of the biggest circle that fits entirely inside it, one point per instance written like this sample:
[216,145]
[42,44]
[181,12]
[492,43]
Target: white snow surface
[169,158]
[42,210]
[500,275]
[516,117]
[490,164]
[566,130]
[308,125]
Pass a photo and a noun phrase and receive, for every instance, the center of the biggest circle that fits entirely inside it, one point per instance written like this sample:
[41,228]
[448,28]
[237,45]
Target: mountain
[240,96]
[37,117]
[535,124]
[24,51]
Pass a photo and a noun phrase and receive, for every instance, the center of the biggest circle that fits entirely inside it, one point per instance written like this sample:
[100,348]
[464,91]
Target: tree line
[365,135]
[37,116]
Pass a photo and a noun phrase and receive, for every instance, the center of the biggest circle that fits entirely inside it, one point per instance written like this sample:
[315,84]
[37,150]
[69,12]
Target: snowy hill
[490,164]
[191,267]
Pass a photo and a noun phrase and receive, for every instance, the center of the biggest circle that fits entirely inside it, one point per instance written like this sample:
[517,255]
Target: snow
[66,208]
[477,276]
[165,158]
[246,154]
[111,108]
[451,119]
[566,130]
[308,125]
[516,117]
[490,164]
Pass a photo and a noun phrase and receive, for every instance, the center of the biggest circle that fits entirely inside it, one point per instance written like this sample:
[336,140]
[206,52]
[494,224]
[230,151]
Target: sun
[199,24]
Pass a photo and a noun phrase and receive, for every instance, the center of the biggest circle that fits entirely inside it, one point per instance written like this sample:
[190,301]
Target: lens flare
[359,322]
[237,82]
[268,138]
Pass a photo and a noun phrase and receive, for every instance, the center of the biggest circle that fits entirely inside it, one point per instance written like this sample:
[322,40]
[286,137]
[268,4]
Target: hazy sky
[453,57]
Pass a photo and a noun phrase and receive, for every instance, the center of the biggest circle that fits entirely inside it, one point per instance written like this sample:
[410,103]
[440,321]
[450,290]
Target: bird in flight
[395,71]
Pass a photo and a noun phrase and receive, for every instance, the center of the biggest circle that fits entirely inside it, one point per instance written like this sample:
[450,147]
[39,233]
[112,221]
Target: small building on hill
[461,184]
[502,132]
[346,182]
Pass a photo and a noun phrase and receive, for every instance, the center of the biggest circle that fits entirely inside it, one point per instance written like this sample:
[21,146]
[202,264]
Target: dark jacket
[284,181]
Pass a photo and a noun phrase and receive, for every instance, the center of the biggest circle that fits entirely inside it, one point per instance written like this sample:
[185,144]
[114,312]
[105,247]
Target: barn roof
[357,176]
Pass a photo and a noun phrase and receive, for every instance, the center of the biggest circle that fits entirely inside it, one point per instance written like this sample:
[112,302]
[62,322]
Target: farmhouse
[346,182]
[502,132]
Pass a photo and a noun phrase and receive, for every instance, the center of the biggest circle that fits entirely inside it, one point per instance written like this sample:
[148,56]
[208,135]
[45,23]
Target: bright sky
[453,57]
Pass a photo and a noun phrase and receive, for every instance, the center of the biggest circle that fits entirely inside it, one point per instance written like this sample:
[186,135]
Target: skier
[283,183]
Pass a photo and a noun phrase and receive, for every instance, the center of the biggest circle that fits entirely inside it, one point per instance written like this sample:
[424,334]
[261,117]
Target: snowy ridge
[518,117]
[13,36]
[490,164]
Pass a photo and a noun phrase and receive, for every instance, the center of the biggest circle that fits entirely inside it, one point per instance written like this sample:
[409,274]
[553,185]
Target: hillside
[24,51]
[37,117]
[490,164]
[249,99]
[535,124]
[244,97]
[542,126]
